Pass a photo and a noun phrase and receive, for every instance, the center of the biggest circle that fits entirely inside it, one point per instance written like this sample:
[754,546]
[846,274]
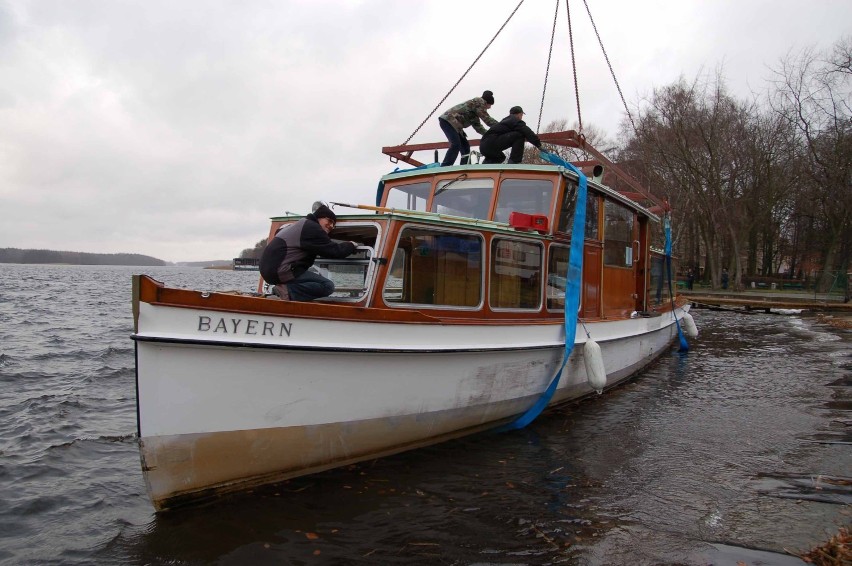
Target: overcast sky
[177,128]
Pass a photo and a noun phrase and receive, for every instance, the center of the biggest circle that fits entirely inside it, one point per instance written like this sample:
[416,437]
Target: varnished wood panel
[592,260]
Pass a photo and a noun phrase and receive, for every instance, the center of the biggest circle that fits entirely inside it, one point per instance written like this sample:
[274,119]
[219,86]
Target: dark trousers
[492,147]
[458,143]
[309,286]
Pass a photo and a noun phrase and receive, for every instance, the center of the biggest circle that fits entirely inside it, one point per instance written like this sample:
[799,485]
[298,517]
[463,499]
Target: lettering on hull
[246,327]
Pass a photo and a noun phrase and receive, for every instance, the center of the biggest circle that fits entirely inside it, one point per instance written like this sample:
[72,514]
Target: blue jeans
[457,142]
[309,286]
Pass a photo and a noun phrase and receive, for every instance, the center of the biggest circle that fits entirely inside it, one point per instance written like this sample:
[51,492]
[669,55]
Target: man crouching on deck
[287,258]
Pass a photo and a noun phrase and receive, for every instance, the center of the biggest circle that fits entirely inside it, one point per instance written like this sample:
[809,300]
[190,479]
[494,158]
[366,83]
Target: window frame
[438,190]
[492,265]
[435,230]
[628,260]
[503,181]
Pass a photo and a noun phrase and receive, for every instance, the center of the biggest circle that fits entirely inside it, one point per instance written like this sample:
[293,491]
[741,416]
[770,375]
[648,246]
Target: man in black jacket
[512,132]
[288,256]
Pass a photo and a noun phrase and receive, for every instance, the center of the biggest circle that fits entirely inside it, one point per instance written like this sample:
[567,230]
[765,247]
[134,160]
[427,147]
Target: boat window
[409,197]
[618,235]
[557,277]
[515,274]
[566,209]
[349,275]
[352,276]
[592,203]
[432,267]
[658,235]
[523,195]
[657,279]
[470,198]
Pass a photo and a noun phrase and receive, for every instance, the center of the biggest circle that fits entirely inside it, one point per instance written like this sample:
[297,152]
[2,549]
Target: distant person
[690,279]
[287,259]
[510,132]
[461,116]
[724,278]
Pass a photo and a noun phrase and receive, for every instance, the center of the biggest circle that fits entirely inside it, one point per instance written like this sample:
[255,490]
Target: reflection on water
[716,456]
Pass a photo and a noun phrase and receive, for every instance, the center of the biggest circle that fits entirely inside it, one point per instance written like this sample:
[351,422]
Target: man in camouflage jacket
[456,119]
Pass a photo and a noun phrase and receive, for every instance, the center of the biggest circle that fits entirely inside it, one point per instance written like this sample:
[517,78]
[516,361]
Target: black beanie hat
[488,97]
[325,212]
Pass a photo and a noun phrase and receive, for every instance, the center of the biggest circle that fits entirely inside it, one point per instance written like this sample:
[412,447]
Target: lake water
[736,451]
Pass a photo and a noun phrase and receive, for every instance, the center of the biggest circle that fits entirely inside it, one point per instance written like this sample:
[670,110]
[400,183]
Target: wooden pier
[764,302]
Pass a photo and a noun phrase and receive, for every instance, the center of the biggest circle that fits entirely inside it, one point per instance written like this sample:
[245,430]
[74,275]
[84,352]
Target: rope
[547,71]
[624,102]
[414,133]
[574,66]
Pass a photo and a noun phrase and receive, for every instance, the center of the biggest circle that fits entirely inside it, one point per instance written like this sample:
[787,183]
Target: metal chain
[464,75]
[574,66]
[547,72]
[632,123]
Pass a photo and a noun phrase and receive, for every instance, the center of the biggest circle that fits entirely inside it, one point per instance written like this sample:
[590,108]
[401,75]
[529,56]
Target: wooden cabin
[492,241]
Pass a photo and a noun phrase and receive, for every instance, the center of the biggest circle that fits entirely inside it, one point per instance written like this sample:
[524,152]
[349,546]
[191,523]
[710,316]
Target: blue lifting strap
[572,294]
[667,227]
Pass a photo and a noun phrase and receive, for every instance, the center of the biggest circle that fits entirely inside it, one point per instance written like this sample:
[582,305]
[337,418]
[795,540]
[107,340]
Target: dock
[767,301]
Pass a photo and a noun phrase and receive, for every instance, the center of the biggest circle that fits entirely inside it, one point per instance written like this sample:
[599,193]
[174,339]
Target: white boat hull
[226,403]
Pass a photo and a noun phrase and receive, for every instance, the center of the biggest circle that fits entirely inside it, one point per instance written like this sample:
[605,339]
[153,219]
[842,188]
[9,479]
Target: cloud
[176,129]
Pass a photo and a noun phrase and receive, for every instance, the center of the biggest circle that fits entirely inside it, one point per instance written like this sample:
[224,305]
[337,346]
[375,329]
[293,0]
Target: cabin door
[592,258]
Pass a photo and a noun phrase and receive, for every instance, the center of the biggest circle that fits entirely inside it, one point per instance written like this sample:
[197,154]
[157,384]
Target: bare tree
[841,56]
[770,191]
[811,91]
[695,142]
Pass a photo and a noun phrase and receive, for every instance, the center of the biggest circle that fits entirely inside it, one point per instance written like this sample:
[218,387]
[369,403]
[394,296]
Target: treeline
[15,255]
[759,187]
[254,252]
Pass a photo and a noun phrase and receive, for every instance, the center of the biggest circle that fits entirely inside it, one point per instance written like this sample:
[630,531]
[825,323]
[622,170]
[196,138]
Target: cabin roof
[427,218]
[525,168]
[468,168]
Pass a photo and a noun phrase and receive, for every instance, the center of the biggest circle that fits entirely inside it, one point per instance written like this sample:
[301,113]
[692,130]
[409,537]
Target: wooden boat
[449,319]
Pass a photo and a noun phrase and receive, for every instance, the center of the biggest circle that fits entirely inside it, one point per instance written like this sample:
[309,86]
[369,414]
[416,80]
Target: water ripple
[704,456]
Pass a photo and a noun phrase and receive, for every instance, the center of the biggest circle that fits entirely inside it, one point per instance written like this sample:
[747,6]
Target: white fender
[689,325]
[595,372]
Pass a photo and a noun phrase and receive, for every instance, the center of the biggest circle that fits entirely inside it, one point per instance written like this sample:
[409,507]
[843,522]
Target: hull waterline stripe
[572,293]
[216,343]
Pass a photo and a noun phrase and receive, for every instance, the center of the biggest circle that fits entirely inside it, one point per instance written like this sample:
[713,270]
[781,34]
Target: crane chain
[464,75]
[574,67]
[547,71]
[624,102]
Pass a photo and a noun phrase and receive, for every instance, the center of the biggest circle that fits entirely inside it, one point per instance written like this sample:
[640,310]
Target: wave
[84,354]
[106,438]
